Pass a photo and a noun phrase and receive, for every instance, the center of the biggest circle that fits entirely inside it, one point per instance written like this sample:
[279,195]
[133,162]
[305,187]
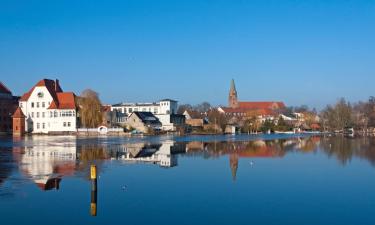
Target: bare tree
[89,107]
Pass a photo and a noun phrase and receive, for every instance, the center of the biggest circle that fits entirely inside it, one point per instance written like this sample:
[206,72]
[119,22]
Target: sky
[308,52]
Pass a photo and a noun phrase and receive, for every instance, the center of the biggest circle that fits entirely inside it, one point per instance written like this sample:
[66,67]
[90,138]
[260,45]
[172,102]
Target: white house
[48,109]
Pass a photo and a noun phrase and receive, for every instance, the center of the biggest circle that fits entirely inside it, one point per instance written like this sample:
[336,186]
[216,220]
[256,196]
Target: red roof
[18,113]
[61,100]
[262,112]
[52,86]
[4,89]
[261,105]
[65,100]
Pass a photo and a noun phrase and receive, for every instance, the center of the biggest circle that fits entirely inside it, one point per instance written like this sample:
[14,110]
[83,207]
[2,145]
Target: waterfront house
[143,122]
[48,109]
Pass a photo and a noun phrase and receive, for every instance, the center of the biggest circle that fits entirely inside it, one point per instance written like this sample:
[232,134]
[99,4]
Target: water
[270,179]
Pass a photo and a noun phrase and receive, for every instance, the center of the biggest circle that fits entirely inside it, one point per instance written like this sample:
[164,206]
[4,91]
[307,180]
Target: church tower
[233,100]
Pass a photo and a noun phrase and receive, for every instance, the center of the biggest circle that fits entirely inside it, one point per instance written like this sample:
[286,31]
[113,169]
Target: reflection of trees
[88,154]
[344,149]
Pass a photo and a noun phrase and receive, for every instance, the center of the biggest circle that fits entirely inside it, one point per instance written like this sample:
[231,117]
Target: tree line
[343,114]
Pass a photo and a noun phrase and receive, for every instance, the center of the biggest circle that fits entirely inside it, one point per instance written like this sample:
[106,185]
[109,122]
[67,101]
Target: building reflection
[46,162]
[163,154]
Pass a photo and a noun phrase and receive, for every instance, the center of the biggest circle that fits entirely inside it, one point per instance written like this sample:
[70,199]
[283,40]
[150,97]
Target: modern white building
[48,109]
[165,106]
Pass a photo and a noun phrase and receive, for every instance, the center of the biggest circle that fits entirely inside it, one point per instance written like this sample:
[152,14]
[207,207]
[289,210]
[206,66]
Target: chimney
[57,84]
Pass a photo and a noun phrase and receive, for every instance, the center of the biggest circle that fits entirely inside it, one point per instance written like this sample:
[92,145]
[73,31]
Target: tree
[337,117]
[282,125]
[268,125]
[185,107]
[90,109]
[203,107]
[215,117]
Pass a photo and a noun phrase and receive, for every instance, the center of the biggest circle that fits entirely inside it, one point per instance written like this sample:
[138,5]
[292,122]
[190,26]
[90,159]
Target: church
[247,109]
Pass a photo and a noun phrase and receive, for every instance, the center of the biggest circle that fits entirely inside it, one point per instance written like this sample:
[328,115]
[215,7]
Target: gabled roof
[18,113]
[52,86]
[4,89]
[61,100]
[147,117]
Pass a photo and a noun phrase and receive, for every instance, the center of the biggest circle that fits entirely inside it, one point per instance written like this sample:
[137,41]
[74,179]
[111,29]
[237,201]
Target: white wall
[37,113]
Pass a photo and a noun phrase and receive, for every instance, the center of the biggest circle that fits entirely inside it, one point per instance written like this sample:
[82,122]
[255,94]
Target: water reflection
[47,160]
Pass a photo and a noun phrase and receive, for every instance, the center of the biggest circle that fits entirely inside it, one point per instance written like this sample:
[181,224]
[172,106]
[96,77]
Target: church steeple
[232,100]
[233,161]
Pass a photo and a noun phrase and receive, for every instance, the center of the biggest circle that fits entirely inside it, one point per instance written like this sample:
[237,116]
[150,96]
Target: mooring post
[94,190]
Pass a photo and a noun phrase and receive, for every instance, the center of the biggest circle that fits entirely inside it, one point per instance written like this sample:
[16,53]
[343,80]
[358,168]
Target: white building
[165,106]
[165,110]
[48,109]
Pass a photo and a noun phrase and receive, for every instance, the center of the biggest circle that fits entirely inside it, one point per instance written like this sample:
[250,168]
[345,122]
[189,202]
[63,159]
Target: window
[43,105]
[64,124]
[32,105]
[69,124]
[37,114]
[43,125]
[37,125]
[43,114]
[32,114]
[50,114]
[55,114]
[37,104]
[130,110]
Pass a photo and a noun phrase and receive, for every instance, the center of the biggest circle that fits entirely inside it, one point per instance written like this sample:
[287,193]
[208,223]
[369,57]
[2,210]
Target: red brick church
[237,108]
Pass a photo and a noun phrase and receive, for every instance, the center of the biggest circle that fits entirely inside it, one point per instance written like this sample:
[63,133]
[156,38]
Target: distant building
[165,106]
[144,122]
[248,109]
[8,105]
[165,110]
[48,109]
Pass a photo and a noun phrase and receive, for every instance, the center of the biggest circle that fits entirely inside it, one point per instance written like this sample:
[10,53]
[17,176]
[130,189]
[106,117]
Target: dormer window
[40,94]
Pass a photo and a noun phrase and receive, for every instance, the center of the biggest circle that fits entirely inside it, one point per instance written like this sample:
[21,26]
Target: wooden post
[94,190]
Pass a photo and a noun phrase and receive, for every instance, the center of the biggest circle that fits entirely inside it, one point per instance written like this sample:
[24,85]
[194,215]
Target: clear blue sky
[297,51]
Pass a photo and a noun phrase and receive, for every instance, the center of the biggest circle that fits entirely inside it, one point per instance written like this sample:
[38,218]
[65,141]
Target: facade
[171,122]
[144,122]
[8,105]
[165,106]
[48,109]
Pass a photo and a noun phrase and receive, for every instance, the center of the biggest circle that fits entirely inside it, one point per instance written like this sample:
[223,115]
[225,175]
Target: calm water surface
[271,179]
